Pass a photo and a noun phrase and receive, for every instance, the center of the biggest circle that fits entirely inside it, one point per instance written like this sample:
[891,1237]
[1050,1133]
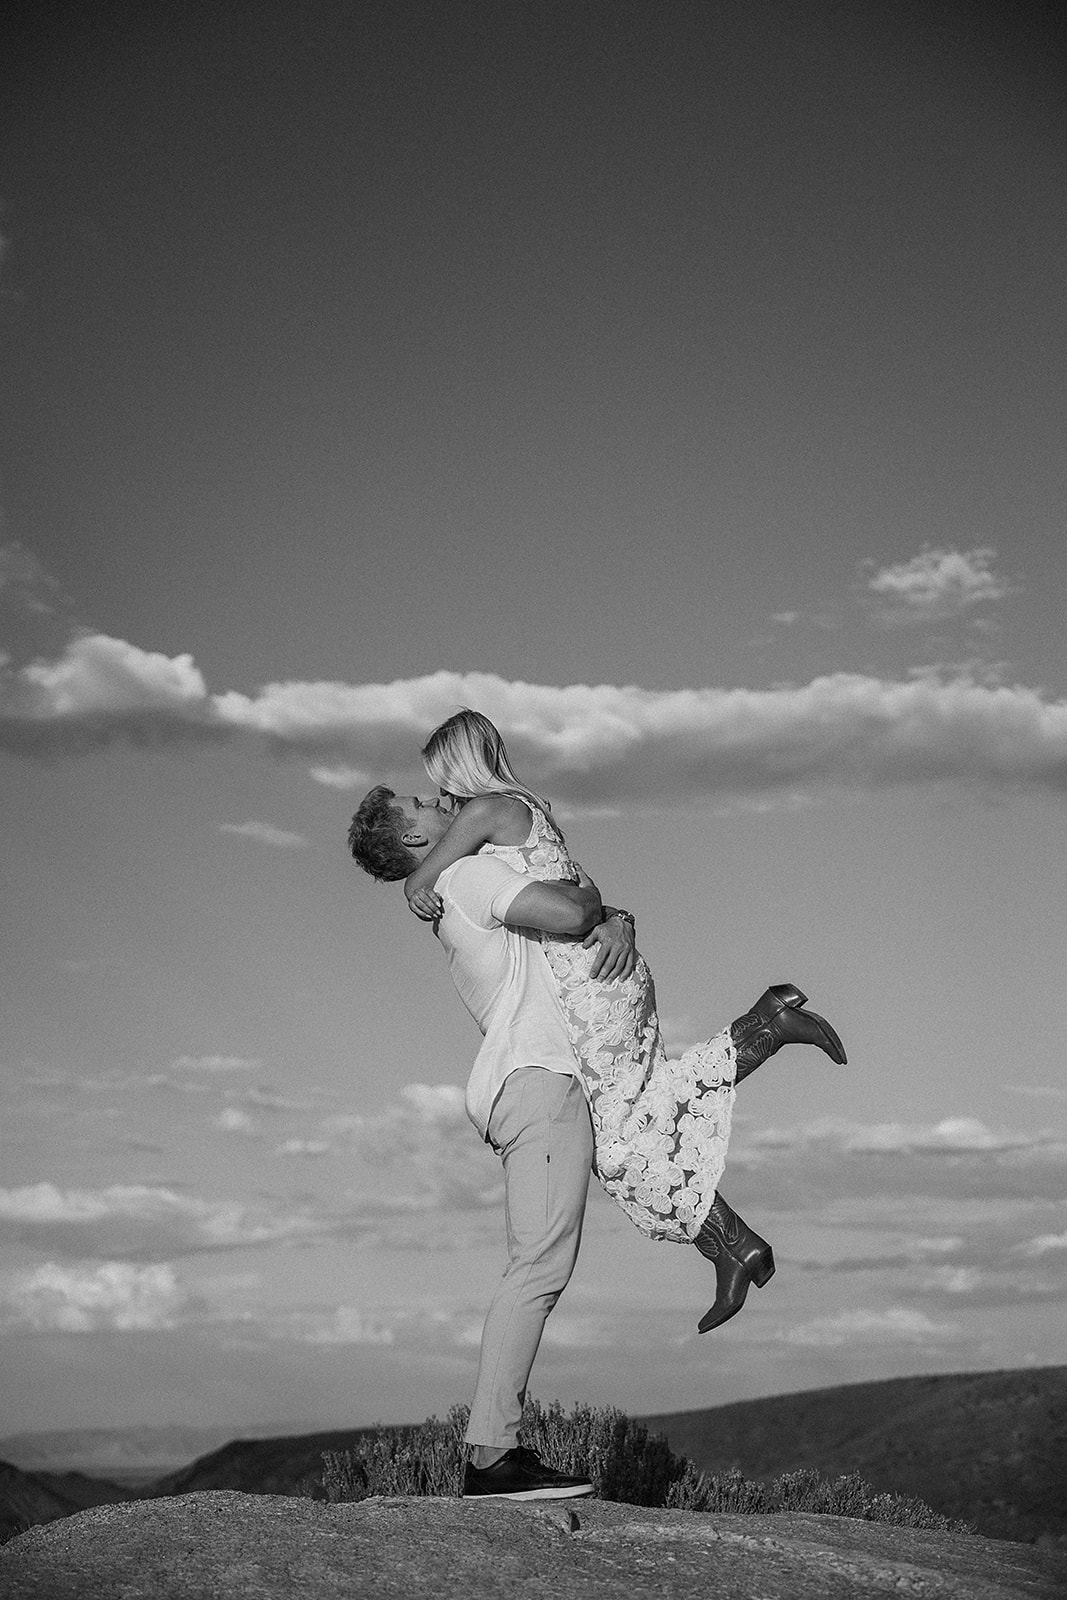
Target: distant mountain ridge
[987,1447]
[28,1498]
[138,1454]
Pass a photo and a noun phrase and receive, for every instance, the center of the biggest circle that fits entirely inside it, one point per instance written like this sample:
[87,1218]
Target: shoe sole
[532,1494]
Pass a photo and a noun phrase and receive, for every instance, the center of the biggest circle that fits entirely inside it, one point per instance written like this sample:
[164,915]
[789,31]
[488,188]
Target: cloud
[98,675]
[346,778]
[895,1325]
[1043,1244]
[836,1162]
[233,1120]
[936,585]
[986,1264]
[424,1150]
[144,1223]
[589,744]
[215,1064]
[85,1299]
[266,833]
[345,1325]
[424,1328]
[423,1181]
[99,689]
[952,1135]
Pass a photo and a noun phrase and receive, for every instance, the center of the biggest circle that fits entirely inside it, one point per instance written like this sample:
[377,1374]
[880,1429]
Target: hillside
[133,1456]
[259,1466]
[989,1447]
[28,1498]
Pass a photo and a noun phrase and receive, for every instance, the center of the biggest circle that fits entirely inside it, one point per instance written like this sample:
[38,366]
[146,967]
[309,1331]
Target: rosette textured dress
[660,1126]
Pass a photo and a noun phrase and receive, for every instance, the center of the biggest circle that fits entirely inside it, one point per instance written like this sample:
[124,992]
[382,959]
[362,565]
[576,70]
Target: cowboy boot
[740,1258]
[777,1019]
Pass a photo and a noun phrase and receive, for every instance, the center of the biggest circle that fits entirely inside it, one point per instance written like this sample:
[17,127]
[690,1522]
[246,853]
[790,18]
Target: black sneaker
[520,1475]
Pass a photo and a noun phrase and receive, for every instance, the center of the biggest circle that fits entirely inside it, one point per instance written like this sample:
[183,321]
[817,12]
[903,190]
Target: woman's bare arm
[487,819]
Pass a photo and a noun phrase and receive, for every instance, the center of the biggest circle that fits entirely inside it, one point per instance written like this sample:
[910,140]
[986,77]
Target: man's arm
[556,908]
[614,934]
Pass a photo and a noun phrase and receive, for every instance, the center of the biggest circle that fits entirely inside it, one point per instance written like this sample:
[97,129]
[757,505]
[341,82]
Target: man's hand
[426,904]
[617,955]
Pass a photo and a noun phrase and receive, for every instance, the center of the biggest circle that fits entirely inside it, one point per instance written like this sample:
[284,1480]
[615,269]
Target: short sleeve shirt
[503,978]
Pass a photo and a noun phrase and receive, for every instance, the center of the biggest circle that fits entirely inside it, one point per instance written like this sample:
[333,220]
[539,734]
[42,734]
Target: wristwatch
[627,916]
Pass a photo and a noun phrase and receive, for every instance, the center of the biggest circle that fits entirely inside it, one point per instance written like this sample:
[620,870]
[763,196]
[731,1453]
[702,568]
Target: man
[525,1097]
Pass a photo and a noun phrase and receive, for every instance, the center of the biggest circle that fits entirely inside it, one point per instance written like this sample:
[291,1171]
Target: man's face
[425,821]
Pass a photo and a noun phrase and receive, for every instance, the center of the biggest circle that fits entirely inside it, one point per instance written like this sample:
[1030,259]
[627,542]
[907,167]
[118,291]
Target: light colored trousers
[541,1130]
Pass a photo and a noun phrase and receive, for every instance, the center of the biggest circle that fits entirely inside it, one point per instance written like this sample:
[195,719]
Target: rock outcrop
[221,1544]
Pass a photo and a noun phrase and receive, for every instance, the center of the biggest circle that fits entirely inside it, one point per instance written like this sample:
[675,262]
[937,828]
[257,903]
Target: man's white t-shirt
[503,978]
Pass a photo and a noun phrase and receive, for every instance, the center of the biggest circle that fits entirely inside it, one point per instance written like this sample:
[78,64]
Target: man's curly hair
[374,837]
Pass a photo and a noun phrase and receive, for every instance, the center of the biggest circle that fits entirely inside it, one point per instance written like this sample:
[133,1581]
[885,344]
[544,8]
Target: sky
[684,387]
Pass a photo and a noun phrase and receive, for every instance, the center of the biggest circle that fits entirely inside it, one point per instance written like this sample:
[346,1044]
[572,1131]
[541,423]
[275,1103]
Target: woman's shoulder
[505,815]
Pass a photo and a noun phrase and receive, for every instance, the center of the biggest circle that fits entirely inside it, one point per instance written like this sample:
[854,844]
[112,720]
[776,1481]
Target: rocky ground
[220,1544]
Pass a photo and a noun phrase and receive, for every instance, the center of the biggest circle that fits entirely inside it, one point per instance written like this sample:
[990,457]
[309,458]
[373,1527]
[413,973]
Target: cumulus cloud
[99,689]
[143,1223]
[936,585]
[87,1298]
[266,833]
[422,1181]
[590,744]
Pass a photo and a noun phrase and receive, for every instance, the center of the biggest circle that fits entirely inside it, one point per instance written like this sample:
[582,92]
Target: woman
[661,1127]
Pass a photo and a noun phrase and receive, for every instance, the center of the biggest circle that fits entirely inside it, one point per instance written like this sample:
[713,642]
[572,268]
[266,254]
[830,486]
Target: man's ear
[413,838]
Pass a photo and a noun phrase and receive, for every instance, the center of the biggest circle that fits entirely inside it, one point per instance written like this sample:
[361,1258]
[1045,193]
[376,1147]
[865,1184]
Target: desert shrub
[852,1496]
[905,1511]
[707,1491]
[624,1462]
[427,1460]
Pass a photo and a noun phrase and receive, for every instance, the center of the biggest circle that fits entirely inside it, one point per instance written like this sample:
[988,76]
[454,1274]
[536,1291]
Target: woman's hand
[617,955]
[426,904]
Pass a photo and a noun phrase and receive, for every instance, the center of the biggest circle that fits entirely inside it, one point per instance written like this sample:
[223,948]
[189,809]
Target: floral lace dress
[661,1127]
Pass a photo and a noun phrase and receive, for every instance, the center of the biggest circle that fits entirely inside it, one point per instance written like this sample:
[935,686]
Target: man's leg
[541,1130]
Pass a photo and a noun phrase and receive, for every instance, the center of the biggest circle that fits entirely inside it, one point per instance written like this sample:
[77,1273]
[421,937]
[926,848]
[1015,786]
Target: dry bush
[624,1462]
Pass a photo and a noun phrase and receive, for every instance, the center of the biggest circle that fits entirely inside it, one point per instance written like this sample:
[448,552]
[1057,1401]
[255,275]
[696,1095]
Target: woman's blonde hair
[465,756]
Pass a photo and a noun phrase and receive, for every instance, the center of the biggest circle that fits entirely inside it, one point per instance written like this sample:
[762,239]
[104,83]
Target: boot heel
[763,1270]
[790,996]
